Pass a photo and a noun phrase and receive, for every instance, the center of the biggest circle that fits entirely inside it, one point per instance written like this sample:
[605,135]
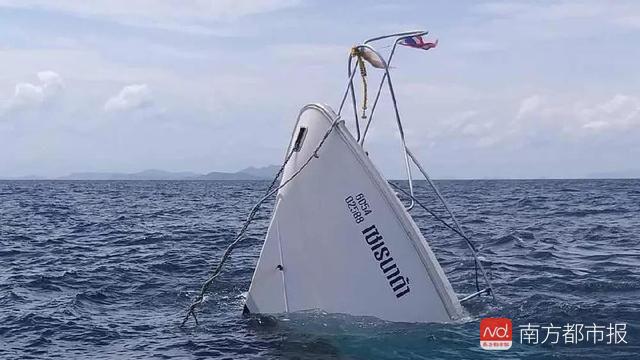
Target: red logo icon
[496,333]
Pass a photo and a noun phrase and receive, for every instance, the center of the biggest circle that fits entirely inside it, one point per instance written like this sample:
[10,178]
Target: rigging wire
[463,236]
[240,235]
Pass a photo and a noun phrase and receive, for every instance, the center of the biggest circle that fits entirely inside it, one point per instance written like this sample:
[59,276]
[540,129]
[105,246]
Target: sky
[515,89]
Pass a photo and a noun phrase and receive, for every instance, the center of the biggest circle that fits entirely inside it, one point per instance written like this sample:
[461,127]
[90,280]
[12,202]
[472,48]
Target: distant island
[268,172]
[250,173]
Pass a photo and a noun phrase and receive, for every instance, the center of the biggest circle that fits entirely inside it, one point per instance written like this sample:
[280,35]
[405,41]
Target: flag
[418,42]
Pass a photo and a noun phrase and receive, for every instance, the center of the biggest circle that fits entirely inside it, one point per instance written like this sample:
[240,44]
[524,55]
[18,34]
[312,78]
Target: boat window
[299,139]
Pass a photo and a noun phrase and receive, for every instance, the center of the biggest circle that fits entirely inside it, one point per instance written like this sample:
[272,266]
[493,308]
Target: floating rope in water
[240,235]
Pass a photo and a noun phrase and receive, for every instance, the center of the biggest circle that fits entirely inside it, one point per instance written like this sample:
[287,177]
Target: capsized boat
[340,240]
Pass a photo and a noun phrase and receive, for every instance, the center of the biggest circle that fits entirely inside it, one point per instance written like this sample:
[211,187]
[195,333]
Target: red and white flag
[418,42]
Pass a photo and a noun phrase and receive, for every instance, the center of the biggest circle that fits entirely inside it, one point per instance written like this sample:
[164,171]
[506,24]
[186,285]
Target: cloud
[131,97]
[596,124]
[625,14]
[529,105]
[29,96]
[560,10]
[164,14]
[621,112]
[530,121]
[560,115]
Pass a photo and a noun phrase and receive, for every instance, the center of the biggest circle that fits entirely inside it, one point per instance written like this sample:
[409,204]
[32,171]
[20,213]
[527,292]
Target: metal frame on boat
[308,250]
[407,154]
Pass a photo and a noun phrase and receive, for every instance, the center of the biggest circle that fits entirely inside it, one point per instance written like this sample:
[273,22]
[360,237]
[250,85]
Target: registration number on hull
[358,207]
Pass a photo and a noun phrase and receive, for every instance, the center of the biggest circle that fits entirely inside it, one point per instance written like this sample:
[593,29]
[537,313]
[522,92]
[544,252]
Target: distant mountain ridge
[262,173]
[267,172]
[141,175]
[216,175]
[250,173]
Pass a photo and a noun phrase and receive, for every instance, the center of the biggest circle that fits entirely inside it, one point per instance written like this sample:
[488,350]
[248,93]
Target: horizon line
[268,179]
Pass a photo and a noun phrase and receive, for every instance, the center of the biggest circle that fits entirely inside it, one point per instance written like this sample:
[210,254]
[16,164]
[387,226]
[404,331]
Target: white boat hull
[341,241]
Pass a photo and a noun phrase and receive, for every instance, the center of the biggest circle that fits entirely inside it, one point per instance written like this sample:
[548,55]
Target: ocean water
[104,270]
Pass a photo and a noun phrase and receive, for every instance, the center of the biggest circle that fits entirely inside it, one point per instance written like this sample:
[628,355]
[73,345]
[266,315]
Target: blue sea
[106,270]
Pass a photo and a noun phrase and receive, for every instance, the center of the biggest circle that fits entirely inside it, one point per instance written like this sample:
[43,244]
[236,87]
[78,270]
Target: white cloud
[28,95]
[597,124]
[559,10]
[131,97]
[572,117]
[236,8]
[51,83]
[522,123]
[165,14]
[620,13]
[529,105]
[619,113]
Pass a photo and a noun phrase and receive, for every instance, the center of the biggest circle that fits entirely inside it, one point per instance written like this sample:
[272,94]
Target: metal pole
[400,34]
[404,143]
[455,221]
[353,98]
[346,92]
[375,102]
[384,76]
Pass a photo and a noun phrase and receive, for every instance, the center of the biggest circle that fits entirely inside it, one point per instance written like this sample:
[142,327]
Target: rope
[463,236]
[363,74]
[240,235]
